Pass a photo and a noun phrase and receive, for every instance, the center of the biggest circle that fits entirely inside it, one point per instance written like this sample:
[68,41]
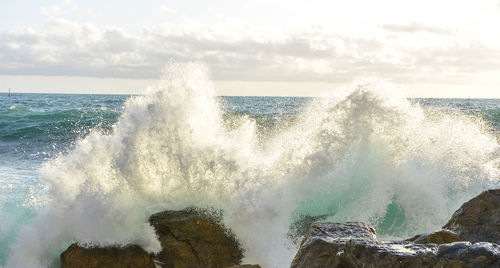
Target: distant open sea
[341,154]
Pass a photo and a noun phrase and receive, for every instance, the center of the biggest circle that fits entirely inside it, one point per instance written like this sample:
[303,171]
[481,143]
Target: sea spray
[367,154]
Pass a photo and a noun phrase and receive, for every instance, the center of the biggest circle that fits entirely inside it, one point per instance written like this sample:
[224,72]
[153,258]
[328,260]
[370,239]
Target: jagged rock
[478,219]
[194,238]
[459,244]
[189,238]
[355,244]
[111,257]
[442,236]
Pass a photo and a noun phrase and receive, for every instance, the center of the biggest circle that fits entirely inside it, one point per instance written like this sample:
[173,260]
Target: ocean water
[92,168]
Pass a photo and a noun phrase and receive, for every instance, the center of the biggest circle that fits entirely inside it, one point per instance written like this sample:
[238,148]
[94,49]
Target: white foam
[351,155]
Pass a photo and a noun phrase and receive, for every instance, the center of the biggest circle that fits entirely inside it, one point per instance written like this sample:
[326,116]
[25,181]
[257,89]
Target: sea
[91,168]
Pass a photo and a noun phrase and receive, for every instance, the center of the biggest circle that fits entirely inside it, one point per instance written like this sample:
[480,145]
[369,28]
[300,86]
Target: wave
[41,134]
[23,123]
[367,154]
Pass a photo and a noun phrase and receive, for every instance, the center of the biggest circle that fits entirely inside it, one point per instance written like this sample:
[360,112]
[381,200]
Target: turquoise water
[38,128]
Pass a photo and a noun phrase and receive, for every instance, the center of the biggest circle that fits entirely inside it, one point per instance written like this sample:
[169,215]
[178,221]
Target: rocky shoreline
[194,238]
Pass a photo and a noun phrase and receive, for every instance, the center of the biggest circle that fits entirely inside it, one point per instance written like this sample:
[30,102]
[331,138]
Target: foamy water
[367,154]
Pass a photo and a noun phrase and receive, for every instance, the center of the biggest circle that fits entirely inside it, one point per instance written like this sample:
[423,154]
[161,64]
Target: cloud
[51,10]
[242,52]
[168,10]
[416,28]
[70,8]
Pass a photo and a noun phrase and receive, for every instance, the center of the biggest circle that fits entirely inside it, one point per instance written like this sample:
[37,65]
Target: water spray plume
[367,155]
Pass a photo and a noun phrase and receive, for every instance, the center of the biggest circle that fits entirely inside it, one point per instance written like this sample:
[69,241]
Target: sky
[429,48]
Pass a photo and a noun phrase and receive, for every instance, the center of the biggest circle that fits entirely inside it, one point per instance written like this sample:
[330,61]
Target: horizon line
[225,95]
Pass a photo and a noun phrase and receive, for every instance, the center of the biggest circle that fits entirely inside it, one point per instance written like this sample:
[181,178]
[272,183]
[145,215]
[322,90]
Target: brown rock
[478,219]
[442,236]
[194,238]
[189,238]
[110,257]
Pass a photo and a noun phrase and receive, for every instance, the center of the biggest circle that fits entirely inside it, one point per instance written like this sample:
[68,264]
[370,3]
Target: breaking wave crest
[367,155]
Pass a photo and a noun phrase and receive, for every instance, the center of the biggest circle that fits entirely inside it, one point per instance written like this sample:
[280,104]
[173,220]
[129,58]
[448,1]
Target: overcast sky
[278,47]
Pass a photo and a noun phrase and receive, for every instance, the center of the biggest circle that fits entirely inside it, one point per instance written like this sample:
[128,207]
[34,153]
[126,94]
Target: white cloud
[238,51]
[69,3]
[168,10]
[51,10]
[416,28]
[71,8]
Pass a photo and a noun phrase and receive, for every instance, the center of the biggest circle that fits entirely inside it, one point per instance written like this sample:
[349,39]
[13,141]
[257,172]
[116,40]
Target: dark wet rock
[442,236]
[355,244]
[467,250]
[469,239]
[478,219]
[113,257]
[194,238]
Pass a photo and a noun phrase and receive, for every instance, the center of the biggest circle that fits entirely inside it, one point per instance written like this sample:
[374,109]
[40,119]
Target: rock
[112,257]
[442,236]
[325,242]
[189,238]
[194,238]
[355,244]
[298,229]
[478,219]
[469,239]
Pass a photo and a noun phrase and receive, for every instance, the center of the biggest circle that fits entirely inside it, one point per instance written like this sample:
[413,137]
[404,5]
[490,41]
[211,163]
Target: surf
[366,154]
